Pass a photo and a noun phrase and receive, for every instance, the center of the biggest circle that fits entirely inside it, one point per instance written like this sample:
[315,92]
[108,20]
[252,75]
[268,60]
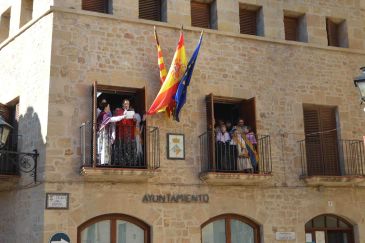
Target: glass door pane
[129,233]
[215,232]
[337,237]
[97,233]
[241,232]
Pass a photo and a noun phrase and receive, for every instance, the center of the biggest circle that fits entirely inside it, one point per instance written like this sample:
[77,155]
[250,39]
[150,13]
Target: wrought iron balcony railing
[15,163]
[222,157]
[128,148]
[332,158]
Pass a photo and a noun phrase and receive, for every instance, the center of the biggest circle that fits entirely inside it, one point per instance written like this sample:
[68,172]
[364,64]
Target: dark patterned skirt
[124,153]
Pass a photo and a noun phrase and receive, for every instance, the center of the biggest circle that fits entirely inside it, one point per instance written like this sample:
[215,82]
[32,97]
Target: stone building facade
[49,61]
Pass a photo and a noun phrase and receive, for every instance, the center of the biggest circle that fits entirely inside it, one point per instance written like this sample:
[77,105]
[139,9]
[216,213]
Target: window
[113,228]
[122,146]
[336,32]
[330,228]
[321,140]
[236,116]
[10,113]
[251,20]
[26,12]
[295,26]
[5,25]
[153,10]
[101,6]
[230,228]
[204,14]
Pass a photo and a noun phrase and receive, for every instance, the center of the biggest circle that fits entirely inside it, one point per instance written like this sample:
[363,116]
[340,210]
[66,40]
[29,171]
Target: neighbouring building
[283,68]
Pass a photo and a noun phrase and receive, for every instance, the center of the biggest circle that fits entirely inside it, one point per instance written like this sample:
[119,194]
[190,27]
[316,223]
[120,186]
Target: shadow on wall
[22,208]
[30,138]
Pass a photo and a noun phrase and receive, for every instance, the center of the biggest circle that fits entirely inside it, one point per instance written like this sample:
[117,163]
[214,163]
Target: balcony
[13,164]
[219,162]
[124,160]
[334,163]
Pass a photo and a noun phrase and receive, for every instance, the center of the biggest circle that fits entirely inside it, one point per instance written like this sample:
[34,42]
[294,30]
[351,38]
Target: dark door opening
[222,152]
[123,143]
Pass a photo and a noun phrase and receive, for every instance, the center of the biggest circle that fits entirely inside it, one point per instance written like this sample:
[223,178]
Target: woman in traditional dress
[138,139]
[243,158]
[105,133]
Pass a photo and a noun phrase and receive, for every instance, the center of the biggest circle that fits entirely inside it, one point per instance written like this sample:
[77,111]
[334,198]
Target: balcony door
[114,96]
[226,109]
[321,140]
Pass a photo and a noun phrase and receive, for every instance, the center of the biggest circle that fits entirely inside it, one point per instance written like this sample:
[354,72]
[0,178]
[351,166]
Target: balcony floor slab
[223,178]
[117,174]
[8,182]
[336,181]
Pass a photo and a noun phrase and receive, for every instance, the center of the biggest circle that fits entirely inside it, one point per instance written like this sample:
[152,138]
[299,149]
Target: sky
[3,2]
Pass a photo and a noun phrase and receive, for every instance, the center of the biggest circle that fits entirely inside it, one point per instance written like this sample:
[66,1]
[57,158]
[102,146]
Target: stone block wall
[282,76]
[178,13]
[55,98]
[25,73]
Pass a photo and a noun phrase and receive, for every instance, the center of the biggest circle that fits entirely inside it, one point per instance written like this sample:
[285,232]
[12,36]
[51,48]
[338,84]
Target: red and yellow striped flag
[168,89]
[161,63]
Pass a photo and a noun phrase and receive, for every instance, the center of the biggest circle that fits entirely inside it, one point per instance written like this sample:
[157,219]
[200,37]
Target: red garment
[126,127]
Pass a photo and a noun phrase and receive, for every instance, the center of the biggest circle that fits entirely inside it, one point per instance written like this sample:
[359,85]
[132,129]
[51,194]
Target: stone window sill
[8,182]
[222,178]
[117,174]
[337,181]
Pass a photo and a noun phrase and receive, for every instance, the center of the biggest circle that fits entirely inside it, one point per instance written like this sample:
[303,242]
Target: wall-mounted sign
[320,237]
[57,200]
[59,238]
[175,198]
[175,146]
[308,238]
[285,236]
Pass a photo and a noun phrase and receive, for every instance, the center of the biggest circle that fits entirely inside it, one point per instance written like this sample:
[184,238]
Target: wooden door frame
[227,219]
[113,217]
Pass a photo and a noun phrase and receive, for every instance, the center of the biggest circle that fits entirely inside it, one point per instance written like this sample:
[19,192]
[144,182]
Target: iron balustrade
[13,162]
[123,151]
[222,157]
[345,159]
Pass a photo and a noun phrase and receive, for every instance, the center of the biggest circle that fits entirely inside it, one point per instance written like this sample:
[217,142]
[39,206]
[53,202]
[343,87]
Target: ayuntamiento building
[283,68]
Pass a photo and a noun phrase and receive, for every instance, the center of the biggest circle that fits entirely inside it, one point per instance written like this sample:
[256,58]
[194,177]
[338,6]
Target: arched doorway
[230,228]
[329,228]
[113,228]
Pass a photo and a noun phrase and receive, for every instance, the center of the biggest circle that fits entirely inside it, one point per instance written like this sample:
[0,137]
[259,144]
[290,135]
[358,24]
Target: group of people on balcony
[236,147]
[119,135]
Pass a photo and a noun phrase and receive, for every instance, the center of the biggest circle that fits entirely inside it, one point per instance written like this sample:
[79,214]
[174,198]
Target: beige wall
[56,81]
[25,70]
[178,13]
[280,75]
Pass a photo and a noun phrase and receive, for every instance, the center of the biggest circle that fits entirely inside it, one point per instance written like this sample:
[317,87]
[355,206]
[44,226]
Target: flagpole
[156,37]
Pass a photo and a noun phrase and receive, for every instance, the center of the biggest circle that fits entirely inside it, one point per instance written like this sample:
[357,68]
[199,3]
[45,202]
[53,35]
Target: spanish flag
[161,63]
[168,89]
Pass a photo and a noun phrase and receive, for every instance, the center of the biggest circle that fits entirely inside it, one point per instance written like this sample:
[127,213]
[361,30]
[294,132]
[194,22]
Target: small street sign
[60,238]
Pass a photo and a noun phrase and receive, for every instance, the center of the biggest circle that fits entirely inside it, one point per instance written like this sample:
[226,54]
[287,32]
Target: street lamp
[359,82]
[4,131]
